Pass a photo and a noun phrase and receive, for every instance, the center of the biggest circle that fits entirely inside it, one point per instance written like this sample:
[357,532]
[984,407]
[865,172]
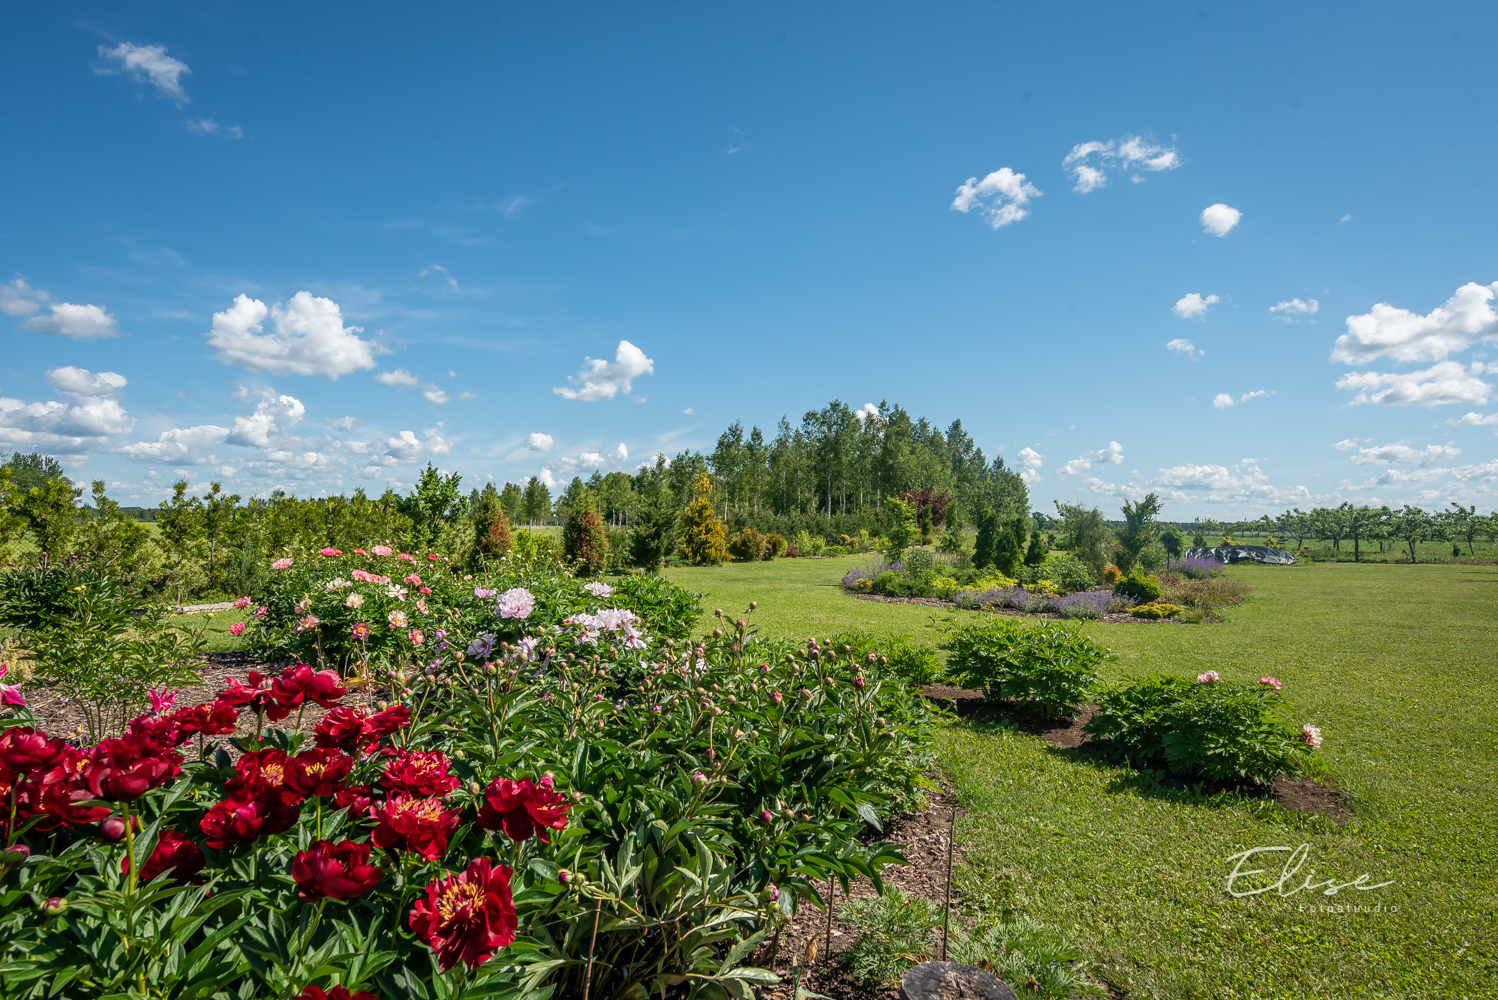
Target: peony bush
[558,794]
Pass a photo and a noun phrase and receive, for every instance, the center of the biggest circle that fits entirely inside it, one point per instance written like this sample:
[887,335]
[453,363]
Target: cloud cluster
[1000,197]
[1220,219]
[146,64]
[540,442]
[1467,318]
[272,415]
[1029,464]
[1289,309]
[90,416]
[403,379]
[1438,385]
[1225,400]
[1111,455]
[309,338]
[1185,347]
[1131,152]
[1193,306]
[1390,454]
[65,319]
[601,379]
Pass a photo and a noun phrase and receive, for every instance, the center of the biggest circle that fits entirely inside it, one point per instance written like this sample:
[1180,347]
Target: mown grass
[1395,663]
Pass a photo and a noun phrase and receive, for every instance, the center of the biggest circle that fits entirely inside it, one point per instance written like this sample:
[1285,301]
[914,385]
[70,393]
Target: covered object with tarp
[1241,553]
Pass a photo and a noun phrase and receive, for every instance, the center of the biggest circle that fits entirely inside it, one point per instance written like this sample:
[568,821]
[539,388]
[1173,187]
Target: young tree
[180,522]
[903,530]
[585,540]
[702,536]
[1360,522]
[432,505]
[1035,554]
[113,539]
[52,514]
[1007,551]
[1463,523]
[1084,532]
[537,506]
[1138,530]
[1413,525]
[1172,541]
[656,516]
[217,513]
[491,528]
[512,499]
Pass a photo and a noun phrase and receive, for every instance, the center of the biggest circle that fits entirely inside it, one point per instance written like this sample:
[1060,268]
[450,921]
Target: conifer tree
[1035,555]
[585,541]
[702,536]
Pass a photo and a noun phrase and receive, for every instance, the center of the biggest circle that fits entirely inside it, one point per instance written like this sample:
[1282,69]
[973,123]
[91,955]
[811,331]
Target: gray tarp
[1242,553]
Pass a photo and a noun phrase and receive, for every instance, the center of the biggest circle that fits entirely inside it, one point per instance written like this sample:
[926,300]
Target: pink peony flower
[408,557]
[10,694]
[281,564]
[243,602]
[360,552]
[161,703]
[397,619]
[426,590]
[1210,677]
[413,580]
[484,594]
[360,630]
[516,603]
[354,600]
[329,551]
[416,637]
[1270,682]
[307,624]
[237,629]
[382,550]
[260,612]
[1311,735]
[598,589]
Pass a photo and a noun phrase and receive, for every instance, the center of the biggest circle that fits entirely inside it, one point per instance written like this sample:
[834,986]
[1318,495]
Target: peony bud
[753,605]
[54,906]
[14,855]
[767,815]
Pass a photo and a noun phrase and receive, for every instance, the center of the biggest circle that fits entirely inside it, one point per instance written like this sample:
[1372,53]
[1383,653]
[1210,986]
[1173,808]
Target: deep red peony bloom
[159,729]
[352,729]
[523,809]
[332,993]
[212,718]
[173,851]
[52,793]
[253,813]
[337,871]
[24,750]
[261,769]
[420,826]
[422,773]
[256,694]
[300,684]
[356,799]
[122,770]
[468,915]
[318,772]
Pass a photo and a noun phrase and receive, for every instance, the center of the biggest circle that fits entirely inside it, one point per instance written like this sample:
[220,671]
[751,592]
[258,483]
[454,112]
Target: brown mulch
[937,602]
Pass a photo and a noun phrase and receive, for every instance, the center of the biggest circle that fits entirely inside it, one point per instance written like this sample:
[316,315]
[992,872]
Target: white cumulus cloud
[399,378]
[1029,463]
[1389,454]
[1128,153]
[1185,347]
[601,379]
[180,445]
[207,126]
[148,64]
[866,412]
[1476,420]
[1193,305]
[1289,309]
[1465,319]
[86,421]
[406,447]
[1000,197]
[65,319]
[540,442]
[1224,400]
[309,338]
[1438,385]
[272,414]
[1219,219]
[1111,455]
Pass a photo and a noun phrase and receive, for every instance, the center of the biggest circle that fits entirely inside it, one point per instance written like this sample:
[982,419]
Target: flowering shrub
[573,766]
[1138,587]
[1194,568]
[1208,728]
[1050,665]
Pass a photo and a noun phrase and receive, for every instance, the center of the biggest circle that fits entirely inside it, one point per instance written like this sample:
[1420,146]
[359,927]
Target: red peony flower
[159,729]
[173,851]
[300,684]
[260,769]
[424,773]
[523,809]
[213,718]
[349,729]
[24,750]
[319,772]
[383,724]
[337,871]
[468,915]
[122,770]
[256,694]
[356,799]
[333,993]
[253,813]
[420,826]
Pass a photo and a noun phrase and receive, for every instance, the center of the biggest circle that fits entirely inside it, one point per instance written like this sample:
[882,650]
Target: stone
[950,981]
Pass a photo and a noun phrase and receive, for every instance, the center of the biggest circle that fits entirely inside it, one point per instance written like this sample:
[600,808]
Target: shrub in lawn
[898,931]
[895,654]
[808,544]
[747,545]
[1050,665]
[1155,610]
[557,781]
[703,538]
[1140,588]
[1205,594]
[1195,568]
[1067,572]
[1207,728]
[775,545]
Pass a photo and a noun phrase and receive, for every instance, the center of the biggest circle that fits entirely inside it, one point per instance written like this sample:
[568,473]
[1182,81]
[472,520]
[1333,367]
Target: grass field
[1395,663]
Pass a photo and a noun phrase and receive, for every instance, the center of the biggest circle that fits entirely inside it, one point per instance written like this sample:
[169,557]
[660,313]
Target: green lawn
[1396,664]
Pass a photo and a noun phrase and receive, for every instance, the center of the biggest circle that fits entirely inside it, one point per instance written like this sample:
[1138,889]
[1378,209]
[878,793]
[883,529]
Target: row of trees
[1406,526]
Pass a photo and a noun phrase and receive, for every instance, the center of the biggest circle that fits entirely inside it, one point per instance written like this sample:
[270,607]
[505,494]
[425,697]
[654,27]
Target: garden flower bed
[555,791]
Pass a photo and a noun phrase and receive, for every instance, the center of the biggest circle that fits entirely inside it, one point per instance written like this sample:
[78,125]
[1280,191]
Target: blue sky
[435,215]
